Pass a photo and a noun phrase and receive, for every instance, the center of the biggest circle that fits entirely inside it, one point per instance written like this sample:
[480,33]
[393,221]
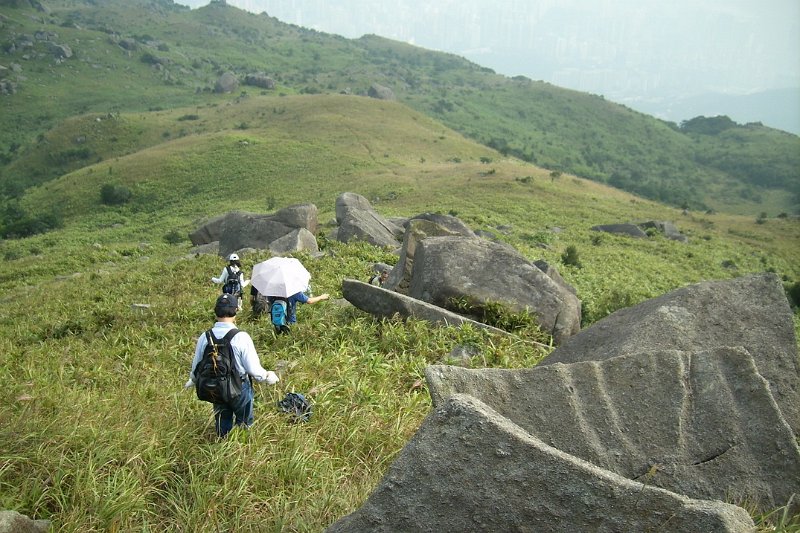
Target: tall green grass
[96,431]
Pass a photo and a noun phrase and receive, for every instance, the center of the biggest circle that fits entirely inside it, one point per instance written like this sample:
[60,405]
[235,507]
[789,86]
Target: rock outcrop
[449,269]
[750,311]
[289,229]
[359,221]
[469,468]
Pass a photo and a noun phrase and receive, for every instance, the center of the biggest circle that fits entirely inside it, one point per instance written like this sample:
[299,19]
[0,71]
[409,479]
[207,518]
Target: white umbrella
[280,276]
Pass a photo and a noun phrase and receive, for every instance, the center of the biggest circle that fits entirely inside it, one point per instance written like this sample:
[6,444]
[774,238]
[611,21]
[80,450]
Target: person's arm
[222,277]
[249,359]
[315,299]
[244,282]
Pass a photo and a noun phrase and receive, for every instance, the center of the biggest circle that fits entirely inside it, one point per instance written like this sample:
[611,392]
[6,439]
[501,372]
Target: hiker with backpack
[224,365]
[232,278]
[380,278]
[283,311]
[258,302]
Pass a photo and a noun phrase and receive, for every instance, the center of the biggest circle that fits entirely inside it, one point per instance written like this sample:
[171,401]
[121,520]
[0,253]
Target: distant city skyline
[647,54]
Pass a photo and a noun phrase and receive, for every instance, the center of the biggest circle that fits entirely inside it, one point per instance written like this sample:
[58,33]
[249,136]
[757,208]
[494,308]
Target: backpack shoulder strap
[230,335]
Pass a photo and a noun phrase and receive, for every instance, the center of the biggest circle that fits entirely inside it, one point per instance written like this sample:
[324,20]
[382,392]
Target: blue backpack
[278,311]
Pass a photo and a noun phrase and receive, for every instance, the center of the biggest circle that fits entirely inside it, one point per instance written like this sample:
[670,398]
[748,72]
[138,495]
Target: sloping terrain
[146,55]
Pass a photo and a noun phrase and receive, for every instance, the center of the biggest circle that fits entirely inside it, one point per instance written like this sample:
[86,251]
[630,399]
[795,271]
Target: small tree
[114,194]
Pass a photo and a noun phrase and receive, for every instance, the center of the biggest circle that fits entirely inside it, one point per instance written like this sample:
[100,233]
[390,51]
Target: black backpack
[216,376]
[232,284]
[296,406]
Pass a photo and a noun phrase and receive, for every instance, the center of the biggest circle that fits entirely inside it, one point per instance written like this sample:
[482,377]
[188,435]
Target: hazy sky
[627,50]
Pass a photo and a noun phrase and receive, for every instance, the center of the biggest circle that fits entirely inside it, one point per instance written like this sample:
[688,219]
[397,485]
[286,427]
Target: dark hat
[227,305]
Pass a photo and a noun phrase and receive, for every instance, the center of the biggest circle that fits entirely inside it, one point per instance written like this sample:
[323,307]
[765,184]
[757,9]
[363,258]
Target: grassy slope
[553,127]
[97,433]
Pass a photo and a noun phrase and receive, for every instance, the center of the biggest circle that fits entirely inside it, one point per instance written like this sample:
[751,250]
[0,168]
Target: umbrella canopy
[280,276]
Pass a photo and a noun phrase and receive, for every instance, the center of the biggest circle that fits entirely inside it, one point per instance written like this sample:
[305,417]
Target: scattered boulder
[259,79]
[208,232]
[211,248]
[60,51]
[553,273]
[449,269]
[237,229]
[128,44]
[298,216]
[416,230]
[668,229]
[703,424]
[240,230]
[14,522]
[297,240]
[750,311]
[468,468]
[449,222]
[385,303]
[226,83]
[359,221]
[380,92]
[632,230]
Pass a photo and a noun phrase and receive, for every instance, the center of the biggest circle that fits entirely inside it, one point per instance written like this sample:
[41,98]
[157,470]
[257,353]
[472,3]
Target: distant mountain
[779,108]
[64,58]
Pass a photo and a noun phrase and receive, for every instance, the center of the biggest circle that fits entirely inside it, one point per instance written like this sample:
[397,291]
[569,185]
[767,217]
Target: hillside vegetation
[98,434]
[150,55]
[113,155]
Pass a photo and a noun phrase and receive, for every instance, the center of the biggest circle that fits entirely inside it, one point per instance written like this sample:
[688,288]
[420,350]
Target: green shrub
[571,257]
[174,237]
[114,194]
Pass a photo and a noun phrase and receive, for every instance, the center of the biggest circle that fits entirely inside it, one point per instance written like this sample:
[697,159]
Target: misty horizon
[670,61]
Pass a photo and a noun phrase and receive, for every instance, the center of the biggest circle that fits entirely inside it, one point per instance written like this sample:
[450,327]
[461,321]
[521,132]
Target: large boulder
[703,424]
[297,240]
[298,216]
[259,79]
[631,230]
[359,221]
[210,231]
[416,230]
[226,83]
[385,303]
[468,468]
[668,229]
[449,269]
[238,229]
[449,222]
[381,92]
[750,311]
[14,522]
[243,230]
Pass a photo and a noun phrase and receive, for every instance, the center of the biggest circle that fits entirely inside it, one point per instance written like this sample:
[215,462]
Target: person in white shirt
[246,362]
[232,278]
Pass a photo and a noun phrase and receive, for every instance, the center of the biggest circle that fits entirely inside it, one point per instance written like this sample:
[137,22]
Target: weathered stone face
[702,424]
[417,230]
[359,221]
[470,469]
[452,268]
[279,232]
[750,311]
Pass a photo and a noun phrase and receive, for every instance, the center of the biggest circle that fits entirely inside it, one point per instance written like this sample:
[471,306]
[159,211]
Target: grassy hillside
[148,55]
[98,434]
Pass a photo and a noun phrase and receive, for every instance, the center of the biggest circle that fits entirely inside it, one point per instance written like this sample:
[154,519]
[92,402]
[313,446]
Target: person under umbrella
[284,281]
